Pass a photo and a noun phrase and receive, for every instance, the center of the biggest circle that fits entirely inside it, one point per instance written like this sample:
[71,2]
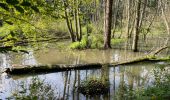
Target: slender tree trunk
[143,13]
[75,19]
[137,28]
[127,23]
[107,23]
[80,29]
[128,19]
[115,16]
[165,17]
[69,24]
[79,21]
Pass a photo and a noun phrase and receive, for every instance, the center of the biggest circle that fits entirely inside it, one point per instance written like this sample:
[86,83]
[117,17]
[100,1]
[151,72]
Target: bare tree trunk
[69,24]
[137,28]
[80,29]
[143,13]
[165,21]
[79,22]
[128,19]
[115,15]
[127,23]
[107,23]
[75,19]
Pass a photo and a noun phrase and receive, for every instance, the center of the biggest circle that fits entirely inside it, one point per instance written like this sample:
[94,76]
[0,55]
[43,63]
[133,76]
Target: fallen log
[142,59]
[26,69]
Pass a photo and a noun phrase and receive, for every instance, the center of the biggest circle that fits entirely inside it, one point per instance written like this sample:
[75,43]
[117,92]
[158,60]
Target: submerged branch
[158,50]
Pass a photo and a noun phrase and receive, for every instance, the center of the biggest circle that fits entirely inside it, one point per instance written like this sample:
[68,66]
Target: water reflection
[87,56]
[65,57]
[121,79]
[9,59]
[66,83]
[5,60]
[29,59]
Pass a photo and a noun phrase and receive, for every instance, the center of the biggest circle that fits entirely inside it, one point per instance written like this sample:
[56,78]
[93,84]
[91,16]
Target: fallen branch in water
[148,57]
[158,51]
[142,59]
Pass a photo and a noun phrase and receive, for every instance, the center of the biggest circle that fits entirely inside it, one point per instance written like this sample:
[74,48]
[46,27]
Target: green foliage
[57,27]
[15,16]
[93,87]
[80,45]
[36,90]
[93,42]
[95,35]
[125,91]
[96,41]
[161,87]
[75,45]
[159,90]
[19,6]
[117,41]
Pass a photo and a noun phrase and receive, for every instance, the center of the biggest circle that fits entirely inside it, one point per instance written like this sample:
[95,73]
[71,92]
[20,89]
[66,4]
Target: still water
[63,84]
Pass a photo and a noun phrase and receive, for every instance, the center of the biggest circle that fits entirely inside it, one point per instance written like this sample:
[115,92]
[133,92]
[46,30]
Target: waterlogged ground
[63,85]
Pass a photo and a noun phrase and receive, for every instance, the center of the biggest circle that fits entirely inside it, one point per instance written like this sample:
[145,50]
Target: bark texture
[107,23]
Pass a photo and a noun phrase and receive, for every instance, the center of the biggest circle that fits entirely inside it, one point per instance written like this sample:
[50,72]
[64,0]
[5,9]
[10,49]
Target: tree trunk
[127,23]
[136,30]
[107,23]
[76,19]
[127,19]
[165,17]
[80,29]
[115,16]
[69,24]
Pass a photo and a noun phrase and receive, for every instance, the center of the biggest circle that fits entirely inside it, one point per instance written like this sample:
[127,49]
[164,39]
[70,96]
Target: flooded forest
[84,49]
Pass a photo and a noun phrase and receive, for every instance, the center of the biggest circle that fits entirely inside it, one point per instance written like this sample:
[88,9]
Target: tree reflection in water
[35,89]
[123,80]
